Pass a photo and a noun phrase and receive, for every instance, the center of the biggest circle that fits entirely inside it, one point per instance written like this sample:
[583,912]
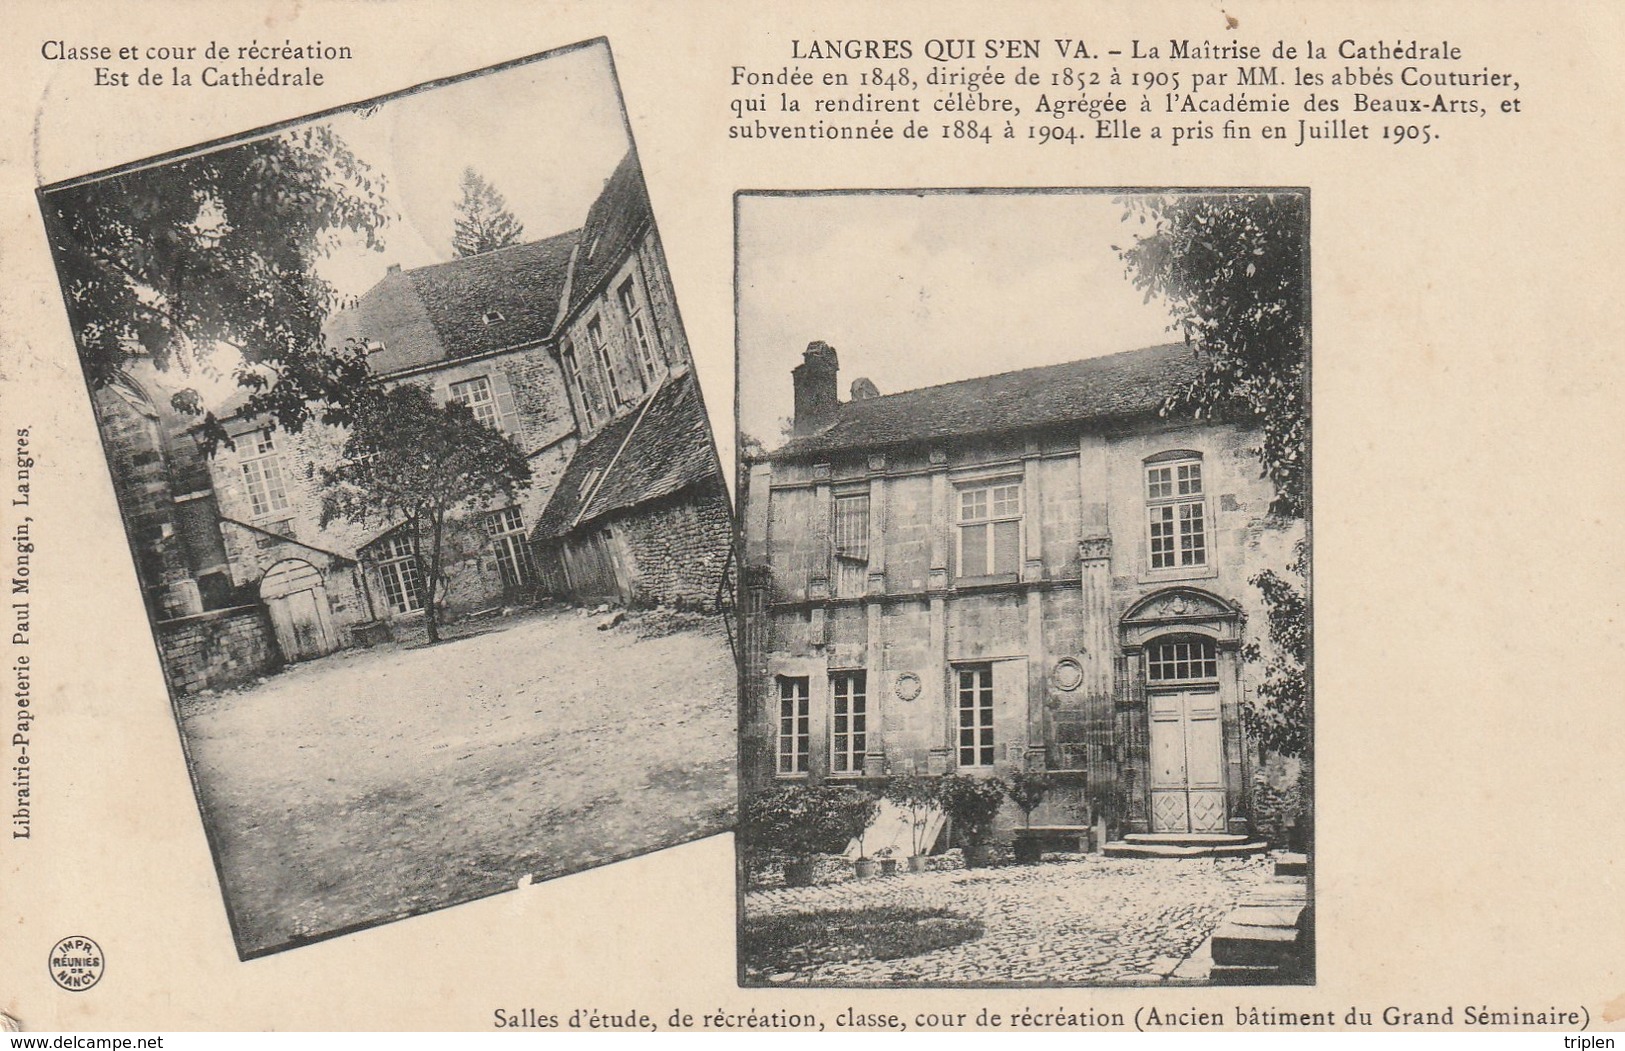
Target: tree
[483,222]
[1234,269]
[174,261]
[1281,722]
[411,461]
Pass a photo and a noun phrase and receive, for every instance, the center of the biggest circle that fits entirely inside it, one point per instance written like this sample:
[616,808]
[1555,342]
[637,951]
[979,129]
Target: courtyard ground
[370,785]
[1073,919]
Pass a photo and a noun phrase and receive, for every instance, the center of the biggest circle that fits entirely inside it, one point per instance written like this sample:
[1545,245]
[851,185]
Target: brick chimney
[815,383]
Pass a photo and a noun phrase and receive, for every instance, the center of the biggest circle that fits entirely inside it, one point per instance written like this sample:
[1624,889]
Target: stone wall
[133,440]
[651,283]
[1084,566]
[678,548]
[217,649]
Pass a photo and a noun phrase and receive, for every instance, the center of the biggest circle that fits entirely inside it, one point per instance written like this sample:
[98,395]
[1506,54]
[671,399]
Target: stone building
[570,345]
[641,514]
[1027,571]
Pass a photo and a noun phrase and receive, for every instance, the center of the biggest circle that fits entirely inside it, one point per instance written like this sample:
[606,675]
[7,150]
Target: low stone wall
[219,648]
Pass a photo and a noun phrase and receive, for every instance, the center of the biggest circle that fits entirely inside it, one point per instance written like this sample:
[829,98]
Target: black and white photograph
[1025,499]
[425,508]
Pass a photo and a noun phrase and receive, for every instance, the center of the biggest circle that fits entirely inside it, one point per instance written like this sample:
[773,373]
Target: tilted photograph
[1024,494]
[424,504]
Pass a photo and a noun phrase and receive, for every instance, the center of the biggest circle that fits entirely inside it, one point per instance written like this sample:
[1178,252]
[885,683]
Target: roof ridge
[1068,392]
[574,235]
[1016,372]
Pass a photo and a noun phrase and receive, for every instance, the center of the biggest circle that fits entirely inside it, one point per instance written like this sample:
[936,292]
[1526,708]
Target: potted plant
[888,864]
[1027,790]
[972,804]
[917,795]
[857,810]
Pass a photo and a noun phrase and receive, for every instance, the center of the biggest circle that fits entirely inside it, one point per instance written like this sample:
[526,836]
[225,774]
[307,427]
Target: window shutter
[1010,712]
[507,409]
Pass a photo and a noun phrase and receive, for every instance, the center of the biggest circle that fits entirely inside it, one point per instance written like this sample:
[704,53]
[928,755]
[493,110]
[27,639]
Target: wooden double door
[296,598]
[1187,761]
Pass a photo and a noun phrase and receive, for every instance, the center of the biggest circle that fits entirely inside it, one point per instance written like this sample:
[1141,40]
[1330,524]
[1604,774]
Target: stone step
[1283,916]
[1125,849]
[1292,865]
[1186,839]
[1234,944]
[1236,974]
[1272,895]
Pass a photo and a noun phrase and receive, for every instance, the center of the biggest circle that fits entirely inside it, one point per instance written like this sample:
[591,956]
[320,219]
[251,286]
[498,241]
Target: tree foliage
[411,461]
[1282,721]
[483,222]
[174,261]
[1234,269]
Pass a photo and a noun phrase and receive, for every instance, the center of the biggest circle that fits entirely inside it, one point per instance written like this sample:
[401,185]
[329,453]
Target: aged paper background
[1467,459]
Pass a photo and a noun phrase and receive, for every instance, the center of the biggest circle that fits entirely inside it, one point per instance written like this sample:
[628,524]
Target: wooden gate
[296,598]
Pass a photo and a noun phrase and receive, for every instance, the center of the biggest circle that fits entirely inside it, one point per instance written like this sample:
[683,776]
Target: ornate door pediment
[1181,609]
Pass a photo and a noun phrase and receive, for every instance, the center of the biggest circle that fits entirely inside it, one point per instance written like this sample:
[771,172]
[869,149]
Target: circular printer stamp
[76,963]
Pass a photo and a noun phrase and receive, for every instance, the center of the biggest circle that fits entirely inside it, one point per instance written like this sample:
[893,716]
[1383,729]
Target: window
[398,566]
[507,532]
[595,336]
[795,733]
[976,715]
[1181,660]
[848,737]
[637,329]
[851,545]
[476,394]
[1178,514]
[572,379]
[262,471]
[990,530]
[491,317]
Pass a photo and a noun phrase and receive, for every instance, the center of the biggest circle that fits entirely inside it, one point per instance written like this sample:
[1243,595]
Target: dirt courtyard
[371,785]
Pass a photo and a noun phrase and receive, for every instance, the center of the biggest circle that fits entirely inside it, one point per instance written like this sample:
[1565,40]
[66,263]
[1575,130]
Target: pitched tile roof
[613,224]
[439,312]
[1117,385]
[658,450]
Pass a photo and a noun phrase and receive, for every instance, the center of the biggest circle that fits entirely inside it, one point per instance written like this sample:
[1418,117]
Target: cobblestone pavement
[1086,920]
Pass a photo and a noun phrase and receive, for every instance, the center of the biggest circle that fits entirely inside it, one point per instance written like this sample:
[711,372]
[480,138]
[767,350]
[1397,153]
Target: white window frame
[397,562]
[506,528]
[1177,534]
[973,683]
[479,394]
[848,722]
[627,293]
[262,476]
[595,336]
[793,755]
[573,379]
[989,519]
[1181,660]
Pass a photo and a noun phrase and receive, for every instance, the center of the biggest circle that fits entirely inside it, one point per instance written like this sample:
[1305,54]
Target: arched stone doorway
[296,597]
[1181,650]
